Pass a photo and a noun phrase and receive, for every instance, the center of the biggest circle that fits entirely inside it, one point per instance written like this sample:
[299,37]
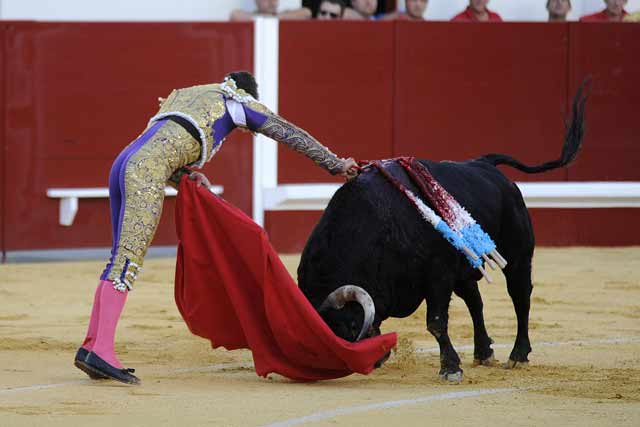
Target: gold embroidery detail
[204,104]
[146,175]
[260,108]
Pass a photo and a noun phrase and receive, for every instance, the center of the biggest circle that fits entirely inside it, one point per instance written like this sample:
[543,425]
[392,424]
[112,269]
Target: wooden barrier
[75,94]
[459,92]
[78,93]
[3,164]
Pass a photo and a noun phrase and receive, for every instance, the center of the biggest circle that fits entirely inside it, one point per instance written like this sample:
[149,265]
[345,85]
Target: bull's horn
[344,294]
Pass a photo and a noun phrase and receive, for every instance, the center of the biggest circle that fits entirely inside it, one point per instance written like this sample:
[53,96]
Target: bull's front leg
[437,324]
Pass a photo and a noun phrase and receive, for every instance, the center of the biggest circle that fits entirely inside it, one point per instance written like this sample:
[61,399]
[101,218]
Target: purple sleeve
[275,127]
[255,119]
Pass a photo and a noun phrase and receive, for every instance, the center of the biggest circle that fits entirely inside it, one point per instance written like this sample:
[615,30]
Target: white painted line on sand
[230,366]
[41,386]
[629,340]
[323,415]
[209,368]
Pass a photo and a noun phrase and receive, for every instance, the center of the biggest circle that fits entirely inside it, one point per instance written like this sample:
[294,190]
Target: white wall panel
[127,10]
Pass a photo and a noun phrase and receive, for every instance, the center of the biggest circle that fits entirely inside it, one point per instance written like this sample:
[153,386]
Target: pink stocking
[111,305]
[89,340]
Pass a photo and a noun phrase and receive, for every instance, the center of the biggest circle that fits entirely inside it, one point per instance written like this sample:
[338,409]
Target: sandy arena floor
[585,364]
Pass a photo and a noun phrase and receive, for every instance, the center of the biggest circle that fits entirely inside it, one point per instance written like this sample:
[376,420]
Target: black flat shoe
[81,355]
[98,366]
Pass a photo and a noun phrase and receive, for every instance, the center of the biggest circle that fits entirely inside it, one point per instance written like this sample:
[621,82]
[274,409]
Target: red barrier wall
[336,81]
[3,166]
[79,93]
[612,144]
[610,151]
[459,91]
[585,227]
[481,89]
[74,94]
[342,95]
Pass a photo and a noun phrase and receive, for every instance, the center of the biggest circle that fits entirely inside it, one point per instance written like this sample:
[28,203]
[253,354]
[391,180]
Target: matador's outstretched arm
[275,127]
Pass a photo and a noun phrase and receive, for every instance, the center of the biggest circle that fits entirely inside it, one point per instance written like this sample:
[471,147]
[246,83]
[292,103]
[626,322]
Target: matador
[188,130]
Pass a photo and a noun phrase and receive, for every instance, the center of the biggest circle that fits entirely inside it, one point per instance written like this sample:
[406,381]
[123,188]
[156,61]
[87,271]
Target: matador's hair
[245,81]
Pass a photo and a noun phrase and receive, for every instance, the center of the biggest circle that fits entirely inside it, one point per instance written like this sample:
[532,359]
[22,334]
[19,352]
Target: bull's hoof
[482,349]
[489,361]
[451,377]
[514,364]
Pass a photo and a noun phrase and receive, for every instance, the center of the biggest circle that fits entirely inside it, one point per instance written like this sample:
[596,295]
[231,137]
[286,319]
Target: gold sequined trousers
[136,194]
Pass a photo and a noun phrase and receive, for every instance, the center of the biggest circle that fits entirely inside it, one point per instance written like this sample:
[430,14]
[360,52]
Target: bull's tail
[574,131]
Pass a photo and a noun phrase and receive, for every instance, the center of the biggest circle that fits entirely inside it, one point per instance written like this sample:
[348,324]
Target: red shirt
[601,17]
[467,15]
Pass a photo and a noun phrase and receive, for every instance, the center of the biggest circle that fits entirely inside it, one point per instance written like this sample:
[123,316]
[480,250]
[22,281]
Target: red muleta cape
[232,289]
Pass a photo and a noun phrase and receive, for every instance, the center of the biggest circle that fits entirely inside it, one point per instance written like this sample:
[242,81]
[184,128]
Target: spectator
[477,11]
[558,10]
[269,8]
[614,12]
[415,11]
[361,9]
[331,9]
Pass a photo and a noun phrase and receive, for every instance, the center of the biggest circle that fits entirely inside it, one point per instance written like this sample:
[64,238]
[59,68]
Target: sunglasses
[326,13]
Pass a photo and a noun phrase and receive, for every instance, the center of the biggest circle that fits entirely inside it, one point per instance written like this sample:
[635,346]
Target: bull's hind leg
[519,285]
[470,294]
[438,298]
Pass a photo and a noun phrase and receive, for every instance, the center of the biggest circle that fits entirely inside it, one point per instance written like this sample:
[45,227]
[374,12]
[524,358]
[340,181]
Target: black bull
[372,237]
